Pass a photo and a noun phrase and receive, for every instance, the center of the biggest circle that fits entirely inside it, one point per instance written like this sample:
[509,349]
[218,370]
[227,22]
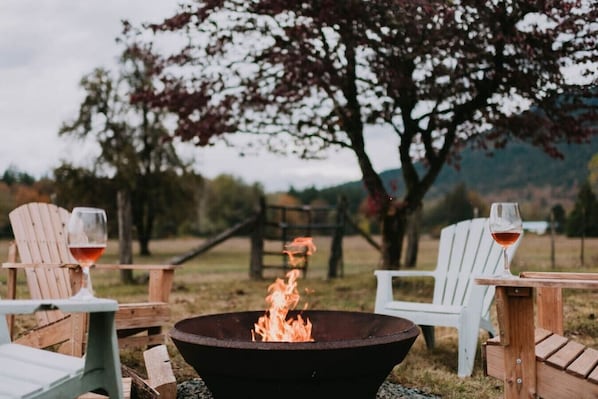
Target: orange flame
[284,297]
[299,250]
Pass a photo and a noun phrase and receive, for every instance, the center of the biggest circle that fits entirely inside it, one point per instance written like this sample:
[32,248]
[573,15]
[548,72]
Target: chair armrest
[102,266]
[27,306]
[13,265]
[406,273]
[106,266]
[384,292]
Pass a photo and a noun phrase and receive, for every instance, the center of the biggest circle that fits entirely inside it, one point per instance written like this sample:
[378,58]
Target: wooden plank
[127,381]
[47,335]
[549,346]
[549,303]
[593,376]
[142,315]
[584,364]
[553,383]
[541,334]
[469,262]
[140,341]
[457,254]
[566,355]
[494,361]
[539,282]
[559,275]
[160,285]
[140,389]
[159,371]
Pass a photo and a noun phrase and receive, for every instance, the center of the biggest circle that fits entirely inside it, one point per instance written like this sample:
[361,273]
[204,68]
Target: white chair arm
[406,273]
[27,306]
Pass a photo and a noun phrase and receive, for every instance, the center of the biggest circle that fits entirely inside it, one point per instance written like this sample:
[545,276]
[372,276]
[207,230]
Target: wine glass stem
[506,257]
[86,281]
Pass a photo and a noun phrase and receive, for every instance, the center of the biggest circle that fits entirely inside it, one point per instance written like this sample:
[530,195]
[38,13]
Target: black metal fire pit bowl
[352,355]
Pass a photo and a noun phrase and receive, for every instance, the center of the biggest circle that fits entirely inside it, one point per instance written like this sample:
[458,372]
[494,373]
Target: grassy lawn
[218,282]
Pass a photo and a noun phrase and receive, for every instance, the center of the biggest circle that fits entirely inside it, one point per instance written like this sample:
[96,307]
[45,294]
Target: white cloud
[47,46]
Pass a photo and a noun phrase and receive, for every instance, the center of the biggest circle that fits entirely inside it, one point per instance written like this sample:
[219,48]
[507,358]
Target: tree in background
[309,75]
[457,205]
[133,150]
[583,219]
[227,200]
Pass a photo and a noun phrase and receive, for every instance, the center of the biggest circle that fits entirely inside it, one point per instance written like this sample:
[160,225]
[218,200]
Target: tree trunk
[413,223]
[125,241]
[335,262]
[144,246]
[393,232]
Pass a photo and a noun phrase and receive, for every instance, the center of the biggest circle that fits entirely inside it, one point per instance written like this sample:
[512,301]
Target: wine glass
[505,227]
[87,236]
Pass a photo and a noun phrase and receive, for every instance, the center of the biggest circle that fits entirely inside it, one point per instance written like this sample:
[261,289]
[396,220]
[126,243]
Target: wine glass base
[83,295]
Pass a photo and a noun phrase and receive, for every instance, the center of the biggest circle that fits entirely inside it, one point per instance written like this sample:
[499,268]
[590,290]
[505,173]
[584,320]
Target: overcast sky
[47,46]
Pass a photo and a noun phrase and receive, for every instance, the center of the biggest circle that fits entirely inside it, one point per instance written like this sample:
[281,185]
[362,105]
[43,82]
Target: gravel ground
[197,389]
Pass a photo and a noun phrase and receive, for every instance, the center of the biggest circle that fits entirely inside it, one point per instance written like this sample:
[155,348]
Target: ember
[284,297]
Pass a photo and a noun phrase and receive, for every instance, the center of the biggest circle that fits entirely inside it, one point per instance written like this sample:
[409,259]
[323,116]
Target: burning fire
[284,297]
[299,250]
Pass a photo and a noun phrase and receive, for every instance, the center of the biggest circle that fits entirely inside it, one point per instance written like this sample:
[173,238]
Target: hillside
[519,172]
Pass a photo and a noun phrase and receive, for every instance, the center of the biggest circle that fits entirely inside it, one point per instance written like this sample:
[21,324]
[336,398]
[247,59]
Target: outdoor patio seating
[27,372]
[40,249]
[466,250]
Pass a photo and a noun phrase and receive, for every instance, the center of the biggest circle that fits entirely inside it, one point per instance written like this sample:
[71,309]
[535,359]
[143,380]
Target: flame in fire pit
[284,297]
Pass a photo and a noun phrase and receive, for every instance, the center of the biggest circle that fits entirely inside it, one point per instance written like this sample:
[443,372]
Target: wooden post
[335,263]
[125,240]
[515,308]
[583,236]
[552,250]
[413,223]
[257,242]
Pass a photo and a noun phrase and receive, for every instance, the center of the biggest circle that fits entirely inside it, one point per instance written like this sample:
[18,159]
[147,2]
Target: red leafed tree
[304,76]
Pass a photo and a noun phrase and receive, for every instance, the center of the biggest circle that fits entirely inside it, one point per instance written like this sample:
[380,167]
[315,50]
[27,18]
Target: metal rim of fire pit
[178,334]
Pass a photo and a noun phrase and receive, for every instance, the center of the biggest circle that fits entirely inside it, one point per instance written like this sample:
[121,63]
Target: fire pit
[351,356]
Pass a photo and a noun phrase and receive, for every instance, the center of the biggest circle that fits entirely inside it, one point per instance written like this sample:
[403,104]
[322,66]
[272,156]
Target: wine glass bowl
[505,226]
[87,236]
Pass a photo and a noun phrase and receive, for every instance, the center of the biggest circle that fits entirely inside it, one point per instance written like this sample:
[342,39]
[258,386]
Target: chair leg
[468,345]
[428,333]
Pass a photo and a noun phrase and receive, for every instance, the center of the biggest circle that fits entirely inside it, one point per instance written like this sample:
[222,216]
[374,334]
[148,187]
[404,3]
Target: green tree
[133,149]
[583,220]
[560,218]
[13,175]
[593,173]
[227,201]
[310,75]
[457,205]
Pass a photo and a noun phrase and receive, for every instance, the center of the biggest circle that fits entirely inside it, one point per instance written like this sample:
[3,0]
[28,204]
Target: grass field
[218,282]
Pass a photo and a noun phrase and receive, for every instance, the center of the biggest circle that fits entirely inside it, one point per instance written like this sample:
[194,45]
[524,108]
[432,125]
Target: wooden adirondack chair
[27,372]
[40,243]
[466,250]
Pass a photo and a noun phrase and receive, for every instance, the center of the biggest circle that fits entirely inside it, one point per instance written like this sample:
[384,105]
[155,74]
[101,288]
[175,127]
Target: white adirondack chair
[27,372]
[466,250]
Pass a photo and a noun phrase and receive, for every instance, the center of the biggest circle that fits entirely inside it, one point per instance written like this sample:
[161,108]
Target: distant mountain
[518,172]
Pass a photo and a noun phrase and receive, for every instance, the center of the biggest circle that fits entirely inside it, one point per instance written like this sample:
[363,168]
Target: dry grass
[218,282]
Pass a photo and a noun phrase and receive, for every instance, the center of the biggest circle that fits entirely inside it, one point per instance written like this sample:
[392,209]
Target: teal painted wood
[27,372]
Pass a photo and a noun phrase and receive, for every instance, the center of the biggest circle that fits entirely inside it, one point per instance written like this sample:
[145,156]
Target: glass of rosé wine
[87,236]
[506,227]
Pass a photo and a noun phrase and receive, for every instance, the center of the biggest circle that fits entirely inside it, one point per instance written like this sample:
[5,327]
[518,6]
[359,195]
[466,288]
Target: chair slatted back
[466,249]
[40,236]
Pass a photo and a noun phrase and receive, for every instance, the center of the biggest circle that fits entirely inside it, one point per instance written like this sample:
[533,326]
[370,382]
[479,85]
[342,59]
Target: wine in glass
[505,227]
[87,236]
